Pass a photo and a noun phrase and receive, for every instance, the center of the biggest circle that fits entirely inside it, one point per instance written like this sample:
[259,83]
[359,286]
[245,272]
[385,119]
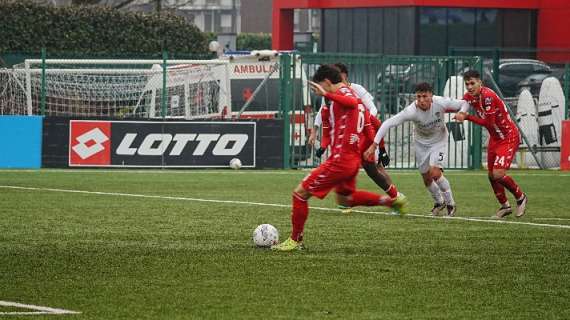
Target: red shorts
[339,174]
[500,153]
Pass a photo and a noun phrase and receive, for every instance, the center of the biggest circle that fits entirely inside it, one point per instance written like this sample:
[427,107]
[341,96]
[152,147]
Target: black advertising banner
[182,144]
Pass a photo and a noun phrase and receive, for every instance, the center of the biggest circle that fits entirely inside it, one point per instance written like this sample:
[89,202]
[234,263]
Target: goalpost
[186,89]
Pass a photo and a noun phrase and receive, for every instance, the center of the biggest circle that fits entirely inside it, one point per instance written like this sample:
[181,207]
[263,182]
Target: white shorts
[430,156]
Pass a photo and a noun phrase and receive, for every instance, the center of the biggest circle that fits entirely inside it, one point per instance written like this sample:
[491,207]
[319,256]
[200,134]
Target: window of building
[487,33]
[208,22]
[442,28]
[226,21]
[461,27]
[519,28]
[432,31]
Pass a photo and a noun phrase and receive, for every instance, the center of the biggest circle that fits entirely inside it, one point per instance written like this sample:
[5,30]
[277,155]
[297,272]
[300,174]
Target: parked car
[534,81]
[514,71]
[399,79]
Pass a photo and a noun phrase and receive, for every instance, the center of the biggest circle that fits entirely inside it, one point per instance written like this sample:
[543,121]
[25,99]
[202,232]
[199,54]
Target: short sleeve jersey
[348,124]
[493,111]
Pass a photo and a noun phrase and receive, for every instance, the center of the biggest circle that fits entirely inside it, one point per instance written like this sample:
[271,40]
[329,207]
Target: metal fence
[536,93]
[269,86]
[391,81]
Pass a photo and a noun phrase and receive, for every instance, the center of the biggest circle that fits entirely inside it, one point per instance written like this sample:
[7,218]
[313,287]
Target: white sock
[445,188]
[435,192]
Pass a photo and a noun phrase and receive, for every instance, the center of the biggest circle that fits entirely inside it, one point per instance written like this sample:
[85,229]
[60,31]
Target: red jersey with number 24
[492,114]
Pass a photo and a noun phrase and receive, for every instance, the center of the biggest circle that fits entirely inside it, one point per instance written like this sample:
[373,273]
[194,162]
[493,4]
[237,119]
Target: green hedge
[27,27]
[253,41]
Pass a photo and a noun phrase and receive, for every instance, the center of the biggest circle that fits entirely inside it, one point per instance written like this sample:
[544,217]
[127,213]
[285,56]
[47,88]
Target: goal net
[117,88]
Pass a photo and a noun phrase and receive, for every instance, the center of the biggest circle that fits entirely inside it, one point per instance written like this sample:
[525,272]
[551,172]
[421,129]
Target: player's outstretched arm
[461,116]
[318,123]
[386,125]
[454,105]
[398,119]
[365,97]
[370,151]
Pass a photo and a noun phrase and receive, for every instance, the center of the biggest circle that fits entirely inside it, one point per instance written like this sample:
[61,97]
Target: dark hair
[471,74]
[342,67]
[423,87]
[326,71]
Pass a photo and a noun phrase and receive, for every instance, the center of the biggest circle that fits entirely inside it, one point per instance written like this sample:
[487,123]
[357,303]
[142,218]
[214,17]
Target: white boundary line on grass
[278,205]
[272,172]
[40,310]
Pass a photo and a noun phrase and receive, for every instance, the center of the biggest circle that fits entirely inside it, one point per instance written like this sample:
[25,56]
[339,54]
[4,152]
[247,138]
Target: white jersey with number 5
[429,125]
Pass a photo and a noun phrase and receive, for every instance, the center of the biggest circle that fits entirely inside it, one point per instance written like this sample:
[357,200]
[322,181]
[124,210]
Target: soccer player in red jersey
[339,171]
[374,167]
[503,142]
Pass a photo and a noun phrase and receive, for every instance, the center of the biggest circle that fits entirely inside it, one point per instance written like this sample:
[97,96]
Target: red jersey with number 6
[351,123]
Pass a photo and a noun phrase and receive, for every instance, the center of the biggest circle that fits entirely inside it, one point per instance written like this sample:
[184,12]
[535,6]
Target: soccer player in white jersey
[376,172]
[430,133]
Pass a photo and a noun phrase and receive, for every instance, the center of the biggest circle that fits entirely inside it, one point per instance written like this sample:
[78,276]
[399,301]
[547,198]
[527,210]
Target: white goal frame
[178,73]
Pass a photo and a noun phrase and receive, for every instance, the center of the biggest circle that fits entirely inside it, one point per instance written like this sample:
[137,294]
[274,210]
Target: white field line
[133,195]
[39,309]
[272,172]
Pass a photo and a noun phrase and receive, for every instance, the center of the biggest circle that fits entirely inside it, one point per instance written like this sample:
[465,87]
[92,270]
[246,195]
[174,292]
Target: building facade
[432,27]
[425,30]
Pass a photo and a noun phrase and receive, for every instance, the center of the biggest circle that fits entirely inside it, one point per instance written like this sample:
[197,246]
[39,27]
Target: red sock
[499,191]
[392,191]
[299,216]
[369,199]
[511,185]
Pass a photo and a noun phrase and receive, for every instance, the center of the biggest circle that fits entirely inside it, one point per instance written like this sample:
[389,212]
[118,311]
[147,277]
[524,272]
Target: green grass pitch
[145,245]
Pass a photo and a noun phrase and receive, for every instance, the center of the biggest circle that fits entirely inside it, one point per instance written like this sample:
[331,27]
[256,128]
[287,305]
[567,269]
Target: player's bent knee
[497,174]
[302,192]
[435,173]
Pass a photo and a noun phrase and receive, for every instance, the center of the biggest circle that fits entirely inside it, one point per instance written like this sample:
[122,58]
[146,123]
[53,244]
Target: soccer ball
[265,235]
[235,163]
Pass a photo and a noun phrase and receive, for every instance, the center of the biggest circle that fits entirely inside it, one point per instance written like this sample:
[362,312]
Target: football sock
[365,198]
[499,191]
[511,185]
[445,188]
[392,191]
[378,178]
[299,216]
[433,188]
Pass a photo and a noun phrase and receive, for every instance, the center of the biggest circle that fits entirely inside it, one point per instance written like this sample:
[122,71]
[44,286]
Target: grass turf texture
[119,257]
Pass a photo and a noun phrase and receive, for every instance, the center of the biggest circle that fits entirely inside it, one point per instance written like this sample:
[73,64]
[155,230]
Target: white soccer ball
[235,163]
[265,235]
